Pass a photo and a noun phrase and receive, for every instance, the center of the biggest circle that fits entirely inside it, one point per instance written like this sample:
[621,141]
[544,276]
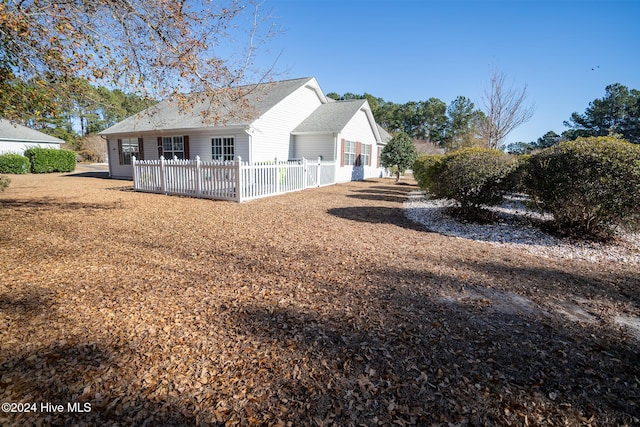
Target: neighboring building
[289,120]
[15,138]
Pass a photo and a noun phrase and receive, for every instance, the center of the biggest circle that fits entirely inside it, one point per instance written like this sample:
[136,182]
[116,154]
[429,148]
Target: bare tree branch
[505,110]
[156,48]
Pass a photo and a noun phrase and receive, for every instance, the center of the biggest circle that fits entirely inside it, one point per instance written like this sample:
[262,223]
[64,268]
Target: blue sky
[412,50]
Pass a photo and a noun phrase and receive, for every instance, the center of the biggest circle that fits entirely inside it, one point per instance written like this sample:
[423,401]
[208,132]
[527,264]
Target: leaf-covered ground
[322,307]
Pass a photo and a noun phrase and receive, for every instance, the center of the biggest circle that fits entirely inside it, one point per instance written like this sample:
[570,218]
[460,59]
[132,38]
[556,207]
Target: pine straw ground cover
[322,307]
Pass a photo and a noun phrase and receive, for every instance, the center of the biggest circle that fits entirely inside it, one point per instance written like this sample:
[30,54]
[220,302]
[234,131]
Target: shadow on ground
[90,174]
[51,203]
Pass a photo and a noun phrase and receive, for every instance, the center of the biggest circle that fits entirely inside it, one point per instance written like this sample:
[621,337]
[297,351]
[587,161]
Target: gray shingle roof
[169,115]
[331,117]
[384,134]
[16,132]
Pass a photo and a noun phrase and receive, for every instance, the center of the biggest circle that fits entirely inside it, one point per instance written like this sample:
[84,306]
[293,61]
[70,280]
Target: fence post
[304,173]
[239,180]
[135,175]
[163,182]
[318,172]
[277,177]
[198,184]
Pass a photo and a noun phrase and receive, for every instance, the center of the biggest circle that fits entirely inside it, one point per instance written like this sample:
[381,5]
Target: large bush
[45,160]
[590,185]
[14,163]
[471,176]
[421,168]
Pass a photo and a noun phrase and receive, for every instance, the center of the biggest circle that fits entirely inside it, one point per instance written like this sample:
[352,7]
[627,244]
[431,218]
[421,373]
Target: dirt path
[320,307]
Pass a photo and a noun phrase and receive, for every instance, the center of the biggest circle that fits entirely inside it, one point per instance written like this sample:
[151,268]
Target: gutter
[31,141]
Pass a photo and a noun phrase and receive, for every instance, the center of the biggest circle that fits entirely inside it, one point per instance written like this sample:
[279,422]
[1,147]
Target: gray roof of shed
[168,115]
[330,117]
[15,132]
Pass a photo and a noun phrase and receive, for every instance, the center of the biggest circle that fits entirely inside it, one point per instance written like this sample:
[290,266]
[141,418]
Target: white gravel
[515,229]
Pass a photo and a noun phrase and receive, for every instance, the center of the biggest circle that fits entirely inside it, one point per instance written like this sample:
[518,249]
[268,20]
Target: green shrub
[4,182]
[45,160]
[421,167]
[14,163]
[471,176]
[590,185]
[516,178]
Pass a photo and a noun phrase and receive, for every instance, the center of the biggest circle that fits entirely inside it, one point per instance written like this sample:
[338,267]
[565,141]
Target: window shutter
[120,151]
[378,161]
[140,149]
[342,154]
[358,154]
[160,150]
[185,139]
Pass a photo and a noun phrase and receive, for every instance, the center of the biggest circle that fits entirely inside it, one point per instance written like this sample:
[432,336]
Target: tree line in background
[617,113]
[451,127]
[460,124]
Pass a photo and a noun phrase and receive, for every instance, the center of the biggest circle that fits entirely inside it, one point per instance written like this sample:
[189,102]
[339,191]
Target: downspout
[108,156]
[335,157]
[249,132]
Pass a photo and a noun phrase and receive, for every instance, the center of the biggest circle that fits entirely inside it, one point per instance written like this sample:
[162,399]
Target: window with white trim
[365,156]
[129,147]
[223,148]
[349,153]
[173,146]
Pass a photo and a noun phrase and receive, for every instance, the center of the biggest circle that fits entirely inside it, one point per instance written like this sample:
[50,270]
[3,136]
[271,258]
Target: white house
[288,120]
[15,138]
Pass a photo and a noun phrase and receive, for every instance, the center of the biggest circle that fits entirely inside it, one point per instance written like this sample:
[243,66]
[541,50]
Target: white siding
[359,129]
[200,143]
[116,170]
[18,147]
[271,133]
[313,145]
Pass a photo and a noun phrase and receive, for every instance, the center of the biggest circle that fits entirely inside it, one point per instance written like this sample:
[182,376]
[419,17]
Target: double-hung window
[349,153]
[173,146]
[223,148]
[128,148]
[365,156]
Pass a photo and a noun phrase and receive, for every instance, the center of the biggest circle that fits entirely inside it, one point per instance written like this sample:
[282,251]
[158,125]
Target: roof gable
[330,117]
[168,115]
[333,117]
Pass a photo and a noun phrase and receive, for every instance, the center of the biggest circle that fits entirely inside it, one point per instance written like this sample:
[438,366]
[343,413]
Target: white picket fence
[230,180]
